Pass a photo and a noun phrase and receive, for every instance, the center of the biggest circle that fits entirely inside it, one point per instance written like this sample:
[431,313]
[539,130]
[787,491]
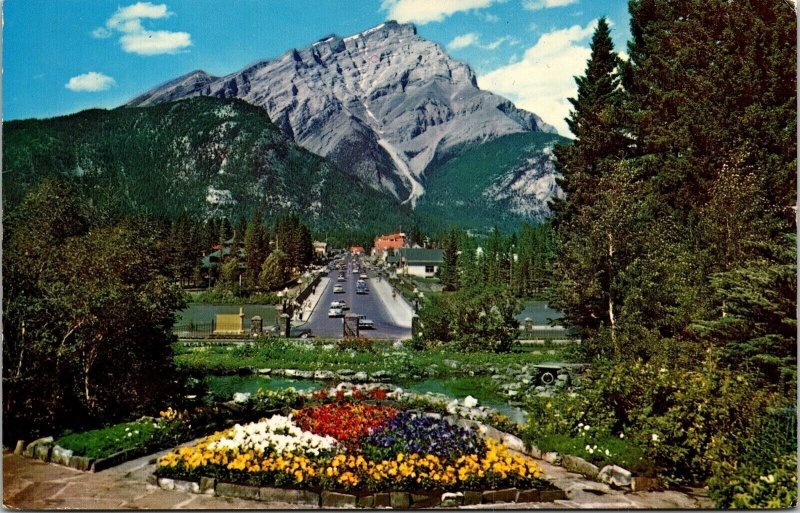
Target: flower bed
[353,447]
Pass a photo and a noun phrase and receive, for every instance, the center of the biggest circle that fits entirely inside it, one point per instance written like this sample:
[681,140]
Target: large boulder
[614,475]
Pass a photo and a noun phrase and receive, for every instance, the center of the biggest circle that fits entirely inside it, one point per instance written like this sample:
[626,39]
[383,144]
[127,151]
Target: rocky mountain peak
[382,104]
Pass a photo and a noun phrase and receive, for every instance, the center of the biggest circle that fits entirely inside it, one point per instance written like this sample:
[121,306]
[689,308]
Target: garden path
[32,484]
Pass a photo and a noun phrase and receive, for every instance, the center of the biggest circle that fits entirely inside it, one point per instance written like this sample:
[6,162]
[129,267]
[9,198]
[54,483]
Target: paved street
[391,322]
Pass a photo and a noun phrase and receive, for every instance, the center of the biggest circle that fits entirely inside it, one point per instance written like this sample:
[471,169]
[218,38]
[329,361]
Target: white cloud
[101,33]
[90,82]
[426,11]
[463,41]
[474,39]
[488,17]
[134,38]
[543,79]
[535,5]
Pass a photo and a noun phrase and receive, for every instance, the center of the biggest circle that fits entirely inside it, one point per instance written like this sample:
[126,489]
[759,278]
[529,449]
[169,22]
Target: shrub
[750,486]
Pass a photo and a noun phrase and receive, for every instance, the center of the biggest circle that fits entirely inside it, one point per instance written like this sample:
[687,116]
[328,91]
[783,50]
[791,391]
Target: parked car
[338,289]
[335,312]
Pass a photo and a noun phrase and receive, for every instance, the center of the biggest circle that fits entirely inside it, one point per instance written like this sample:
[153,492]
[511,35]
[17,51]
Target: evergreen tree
[449,272]
[225,231]
[256,247]
[274,270]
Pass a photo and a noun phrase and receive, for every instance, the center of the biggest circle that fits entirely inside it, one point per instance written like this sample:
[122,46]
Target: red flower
[346,422]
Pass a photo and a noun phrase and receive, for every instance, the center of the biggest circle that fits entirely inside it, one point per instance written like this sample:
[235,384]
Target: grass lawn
[620,451]
[101,443]
[283,354]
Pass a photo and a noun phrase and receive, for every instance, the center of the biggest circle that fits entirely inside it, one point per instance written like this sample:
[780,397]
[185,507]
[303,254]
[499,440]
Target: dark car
[301,333]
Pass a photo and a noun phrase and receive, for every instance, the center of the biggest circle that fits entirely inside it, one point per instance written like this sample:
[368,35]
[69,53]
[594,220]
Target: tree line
[675,241]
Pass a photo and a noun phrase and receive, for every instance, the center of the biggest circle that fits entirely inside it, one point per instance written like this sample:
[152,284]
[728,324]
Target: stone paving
[32,484]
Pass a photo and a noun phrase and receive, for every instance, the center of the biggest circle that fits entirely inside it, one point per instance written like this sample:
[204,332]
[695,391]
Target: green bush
[749,486]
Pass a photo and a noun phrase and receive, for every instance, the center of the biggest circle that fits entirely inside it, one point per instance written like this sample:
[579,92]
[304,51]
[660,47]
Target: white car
[365,323]
[335,312]
[363,276]
[338,289]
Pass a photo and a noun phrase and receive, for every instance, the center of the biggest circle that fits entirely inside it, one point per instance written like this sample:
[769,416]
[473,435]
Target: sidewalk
[311,303]
[32,484]
[398,308]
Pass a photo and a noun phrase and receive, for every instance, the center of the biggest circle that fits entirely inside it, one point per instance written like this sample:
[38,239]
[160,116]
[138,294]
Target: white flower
[586,428]
[130,435]
[580,424]
[591,451]
[588,448]
[622,435]
[654,437]
[608,453]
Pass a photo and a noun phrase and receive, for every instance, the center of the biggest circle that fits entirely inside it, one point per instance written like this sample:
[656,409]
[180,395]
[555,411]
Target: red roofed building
[391,241]
[357,250]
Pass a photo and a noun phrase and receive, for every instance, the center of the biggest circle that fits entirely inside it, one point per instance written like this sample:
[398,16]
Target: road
[375,308]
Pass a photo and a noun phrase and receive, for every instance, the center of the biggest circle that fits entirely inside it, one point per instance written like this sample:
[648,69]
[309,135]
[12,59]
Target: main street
[391,315]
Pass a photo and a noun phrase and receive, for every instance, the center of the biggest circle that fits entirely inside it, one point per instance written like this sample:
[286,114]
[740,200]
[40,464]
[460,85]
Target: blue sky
[62,56]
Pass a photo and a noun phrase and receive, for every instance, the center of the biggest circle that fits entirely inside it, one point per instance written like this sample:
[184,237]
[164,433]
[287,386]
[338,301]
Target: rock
[366,501]
[263,372]
[528,496]
[151,480]
[342,373]
[42,451]
[579,465]
[383,500]
[166,483]
[399,500]
[552,495]
[645,484]
[278,372]
[30,449]
[487,497]
[187,486]
[237,491]
[472,497]
[360,376]
[614,475]
[514,443]
[324,374]
[338,500]
[552,457]
[470,402]
[20,447]
[241,397]
[451,363]
[535,452]
[452,499]
[381,375]
[207,485]
[305,374]
[81,463]
[60,455]
[421,500]
[505,495]
[297,497]
[290,373]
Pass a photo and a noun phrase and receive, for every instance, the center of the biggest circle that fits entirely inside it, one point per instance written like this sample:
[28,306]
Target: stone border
[45,450]
[387,499]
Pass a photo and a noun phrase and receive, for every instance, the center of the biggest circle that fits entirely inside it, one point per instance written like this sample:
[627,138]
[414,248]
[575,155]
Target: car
[338,289]
[341,278]
[361,288]
[363,276]
[337,304]
[343,305]
[302,333]
[335,312]
[356,271]
[365,323]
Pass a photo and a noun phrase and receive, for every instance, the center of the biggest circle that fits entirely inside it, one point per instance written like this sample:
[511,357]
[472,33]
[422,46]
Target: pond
[201,314]
[457,388]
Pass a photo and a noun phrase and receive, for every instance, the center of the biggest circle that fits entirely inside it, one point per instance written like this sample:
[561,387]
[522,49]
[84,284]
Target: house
[384,244]
[320,249]
[420,262]
[356,250]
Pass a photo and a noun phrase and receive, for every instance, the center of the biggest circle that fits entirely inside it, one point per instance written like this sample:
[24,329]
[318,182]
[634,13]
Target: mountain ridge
[381,104]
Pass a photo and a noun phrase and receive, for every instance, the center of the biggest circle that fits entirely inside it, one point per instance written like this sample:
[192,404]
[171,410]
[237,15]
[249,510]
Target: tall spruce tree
[596,207]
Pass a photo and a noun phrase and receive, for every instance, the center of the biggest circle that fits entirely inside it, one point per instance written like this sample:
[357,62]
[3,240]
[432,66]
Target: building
[357,250]
[420,262]
[320,249]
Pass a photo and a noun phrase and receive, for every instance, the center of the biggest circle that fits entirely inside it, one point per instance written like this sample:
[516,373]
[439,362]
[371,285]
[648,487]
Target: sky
[63,56]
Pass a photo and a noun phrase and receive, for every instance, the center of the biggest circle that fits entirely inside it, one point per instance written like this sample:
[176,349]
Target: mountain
[203,157]
[500,182]
[383,104]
